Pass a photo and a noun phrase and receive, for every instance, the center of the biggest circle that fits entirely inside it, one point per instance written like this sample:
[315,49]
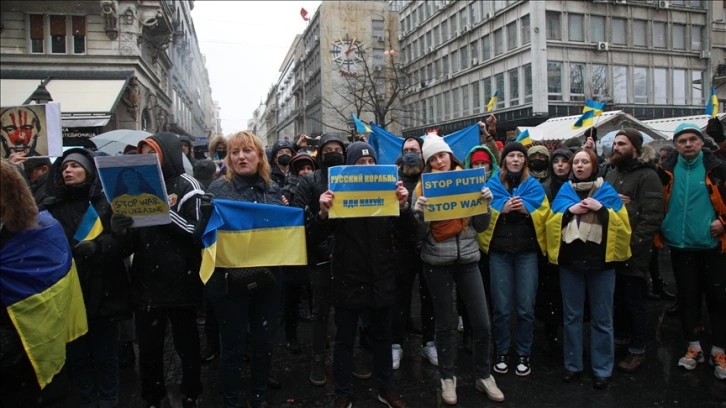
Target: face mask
[284,159]
[538,165]
[332,159]
[412,159]
[221,154]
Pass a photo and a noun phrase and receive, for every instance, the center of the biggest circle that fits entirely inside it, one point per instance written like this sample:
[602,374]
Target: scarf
[585,227]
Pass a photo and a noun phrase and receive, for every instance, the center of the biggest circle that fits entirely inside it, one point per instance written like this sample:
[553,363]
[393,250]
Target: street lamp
[40,95]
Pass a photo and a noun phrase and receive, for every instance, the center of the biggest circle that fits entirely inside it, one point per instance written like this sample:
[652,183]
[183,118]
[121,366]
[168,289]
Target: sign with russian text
[453,194]
[363,191]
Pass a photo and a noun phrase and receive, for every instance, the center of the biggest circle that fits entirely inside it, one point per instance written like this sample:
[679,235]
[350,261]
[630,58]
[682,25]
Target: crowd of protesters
[569,236]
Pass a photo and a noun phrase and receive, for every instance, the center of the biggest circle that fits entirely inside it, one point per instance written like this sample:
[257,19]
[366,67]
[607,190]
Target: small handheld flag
[712,104]
[304,14]
[360,126]
[90,226]
[524,138]
[584,120]
[492,101]
[591,105]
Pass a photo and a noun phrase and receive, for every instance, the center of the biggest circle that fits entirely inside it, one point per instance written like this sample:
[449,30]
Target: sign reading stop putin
[453,194]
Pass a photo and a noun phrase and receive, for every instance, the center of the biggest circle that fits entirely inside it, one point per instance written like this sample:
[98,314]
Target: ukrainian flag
[591,105]
[585,120]
[90,226]
[712,104]
[535,200]
[240,234]
[492,101]
[360,126]
[617,246]
[39,287]
[524,138]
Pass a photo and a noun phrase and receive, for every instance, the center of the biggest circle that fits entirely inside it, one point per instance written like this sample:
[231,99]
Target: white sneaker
[396,353]
[489,387]
[448,391]
[429,352]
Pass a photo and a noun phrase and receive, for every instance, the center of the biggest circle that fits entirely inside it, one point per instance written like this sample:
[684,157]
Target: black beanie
[512,146]
[81,159]
[357,150]
[416,138]
[635,137]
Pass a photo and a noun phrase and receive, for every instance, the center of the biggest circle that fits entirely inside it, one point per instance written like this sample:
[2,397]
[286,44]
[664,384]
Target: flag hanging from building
[90,226]
[304,14]
[361,126]
[712,104]
[591,105]
[585,120]
[242,235]
[493,101]
[524,138]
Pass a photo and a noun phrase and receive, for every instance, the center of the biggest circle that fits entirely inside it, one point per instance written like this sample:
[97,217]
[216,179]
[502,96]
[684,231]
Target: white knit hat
[434,144]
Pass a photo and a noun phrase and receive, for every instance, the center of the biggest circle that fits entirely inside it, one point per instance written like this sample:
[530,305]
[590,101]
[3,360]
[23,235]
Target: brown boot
[631,362]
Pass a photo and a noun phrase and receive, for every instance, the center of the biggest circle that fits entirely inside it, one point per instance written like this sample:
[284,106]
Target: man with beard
[634,178]
[408,258]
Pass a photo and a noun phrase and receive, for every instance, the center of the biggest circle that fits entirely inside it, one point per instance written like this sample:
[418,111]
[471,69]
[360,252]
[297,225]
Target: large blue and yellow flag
[90,226]
[586,120]
[591,105]
[39,287]
[712,104]
[360,126]
[524,138]
[534,199]
[492,101]
[241,234]
[388,146]
[617,246]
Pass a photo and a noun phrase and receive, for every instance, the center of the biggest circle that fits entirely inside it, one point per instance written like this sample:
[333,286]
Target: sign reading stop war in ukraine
[363,191]
[453,194]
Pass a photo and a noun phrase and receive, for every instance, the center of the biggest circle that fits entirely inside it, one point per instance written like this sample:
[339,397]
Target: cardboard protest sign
[453,194]
[135,187]
[363,191]
[32,129]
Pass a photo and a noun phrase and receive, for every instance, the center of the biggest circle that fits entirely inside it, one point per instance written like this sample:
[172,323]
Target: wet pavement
[659,383]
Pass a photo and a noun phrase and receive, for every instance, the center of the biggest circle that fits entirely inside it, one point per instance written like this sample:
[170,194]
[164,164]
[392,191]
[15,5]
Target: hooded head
[283,159]
[331,158]
[538,158]
[217,148]
[186,141]
[482,153]
[555,164]
[168,149]
[300,160]
[357,150]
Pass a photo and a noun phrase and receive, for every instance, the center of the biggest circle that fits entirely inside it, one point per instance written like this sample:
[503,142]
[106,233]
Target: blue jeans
[468,281]
[260,309]
[513,280]
[93,364]
[600,287]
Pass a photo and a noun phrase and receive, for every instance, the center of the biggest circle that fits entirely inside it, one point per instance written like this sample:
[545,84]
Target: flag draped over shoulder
[90,226]
[240,234]
[42,294]
[617,246]
[360,126]
[712,104]
[524,138]
[591,105]
[388,146]
[586,120]
[535,201]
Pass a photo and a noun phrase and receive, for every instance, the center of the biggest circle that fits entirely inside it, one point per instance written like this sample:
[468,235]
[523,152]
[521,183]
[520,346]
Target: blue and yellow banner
[453,194]
[90,226]
[240,234]
[712,104]
[388,146]
[360,126]
[363,191]
[524,138]
[493,101]
[40,289]
[591,105]
[586,120]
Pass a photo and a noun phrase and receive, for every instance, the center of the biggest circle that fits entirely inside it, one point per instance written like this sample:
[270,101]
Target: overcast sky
[244,43]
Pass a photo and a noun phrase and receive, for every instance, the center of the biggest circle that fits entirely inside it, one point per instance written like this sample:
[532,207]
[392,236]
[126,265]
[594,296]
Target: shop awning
[84,102]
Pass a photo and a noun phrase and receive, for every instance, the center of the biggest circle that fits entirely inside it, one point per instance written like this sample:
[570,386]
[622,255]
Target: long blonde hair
[247,139]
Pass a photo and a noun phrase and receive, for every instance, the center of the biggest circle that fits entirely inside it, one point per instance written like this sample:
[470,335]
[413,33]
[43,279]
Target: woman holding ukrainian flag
[587,230]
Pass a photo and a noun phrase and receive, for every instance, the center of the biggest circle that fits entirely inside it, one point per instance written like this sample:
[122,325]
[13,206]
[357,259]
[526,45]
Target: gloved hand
[120,223]
[486,194]
[85,248]
[715,130]
[420,205]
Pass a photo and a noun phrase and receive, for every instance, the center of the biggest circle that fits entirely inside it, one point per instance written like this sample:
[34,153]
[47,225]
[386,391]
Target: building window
[511,36]
[679,37]
[499,42]
[660,91]
[640,35]
[475,49]
[526,35]
[378,28]
[554,27]
[575,27]
[679,86]
[462,19]
[453,28]
[577,82]
[640,85]
[436,36]
[447,105]
[513,87]
[696,37]
[465,100]
[430,109]
[597,28]
[58,34]
[445,64]
[527,83]
[499,83]
[37,34]
[599,81]
[554,81]
[487,89]
[473,13]
[65,33]
[475,98]
[464,56]
[486,48]
[620,32]
[697,91]
[456,94]
[620,84]
[455,61]
[439,107]
[659,34]
[429,40]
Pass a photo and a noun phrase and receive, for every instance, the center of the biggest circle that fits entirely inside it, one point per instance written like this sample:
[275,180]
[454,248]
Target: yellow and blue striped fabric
[712,104]
[524,138]
[617,246]
[90,226]
[591,105]
[241,234]
[360,126]
[493,101]
[586,120]
[42,294]
[534,199]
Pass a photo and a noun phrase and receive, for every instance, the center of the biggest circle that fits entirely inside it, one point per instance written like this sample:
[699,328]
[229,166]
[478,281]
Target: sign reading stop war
[453,194]
[363,191]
